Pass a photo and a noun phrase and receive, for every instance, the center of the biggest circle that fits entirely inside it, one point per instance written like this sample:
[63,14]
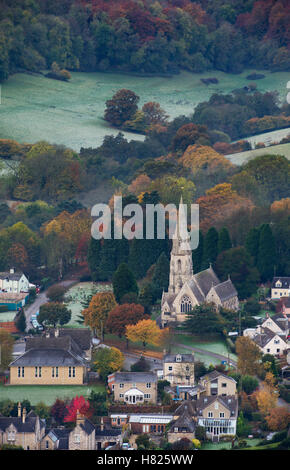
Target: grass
[228,445]
[243,157]
[46,393]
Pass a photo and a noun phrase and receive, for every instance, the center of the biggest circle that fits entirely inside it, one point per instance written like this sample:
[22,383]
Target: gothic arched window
[186,304]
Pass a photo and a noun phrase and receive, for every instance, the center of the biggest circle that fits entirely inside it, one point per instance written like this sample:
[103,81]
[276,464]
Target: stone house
[133,387]
[26,430]
[216,383]
[218,414]
[178,369]
[81,336]
[183,424]
[49,361]
[270,342]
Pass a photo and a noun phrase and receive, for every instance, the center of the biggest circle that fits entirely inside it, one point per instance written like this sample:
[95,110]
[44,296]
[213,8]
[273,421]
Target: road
[40,300]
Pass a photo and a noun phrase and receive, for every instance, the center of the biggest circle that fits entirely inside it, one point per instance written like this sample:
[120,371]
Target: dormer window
[178,358]
[278,284]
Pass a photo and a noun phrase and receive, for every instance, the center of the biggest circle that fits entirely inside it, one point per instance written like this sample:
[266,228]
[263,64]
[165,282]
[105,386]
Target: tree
[53,313]
[56,293]
[153,113]
[123,282]
[21,321]
[160,277]
[78,404]
[224,241]
[210,250]
[96,314]
[121,107]
[108,360]
[6,346]
[146,331]
[267,395]
[249,384]
[203,320]
[266,258]
[122,315]
[278,418]
[249,356]
[58,411]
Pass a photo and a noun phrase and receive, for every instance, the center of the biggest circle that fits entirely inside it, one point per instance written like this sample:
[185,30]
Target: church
[187,290]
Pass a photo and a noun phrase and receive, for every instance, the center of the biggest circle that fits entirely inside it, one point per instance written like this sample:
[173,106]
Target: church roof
[225,290]
[206,279]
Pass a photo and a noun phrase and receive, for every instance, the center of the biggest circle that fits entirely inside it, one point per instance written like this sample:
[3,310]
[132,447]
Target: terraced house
[50,361]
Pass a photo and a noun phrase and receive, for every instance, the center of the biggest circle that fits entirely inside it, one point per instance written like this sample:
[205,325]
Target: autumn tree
[107,360]
[278,418]
[121,107]
[78,405]
[190,134]
[249,356]
[123,315]
[145,331]
[153,113]
[267,395]
[59,410]
[96,314]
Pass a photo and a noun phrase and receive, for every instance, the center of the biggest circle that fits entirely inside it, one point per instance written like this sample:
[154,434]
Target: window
[210,414]
[71,371]
[121,385]
[186,304]
[224,384]
[187,377]
[122,395]
[46,444]
[11,436]
[169,368]
[147,396]
[37,372]
[222,415]
[20,371]
[54,371]
[148,385]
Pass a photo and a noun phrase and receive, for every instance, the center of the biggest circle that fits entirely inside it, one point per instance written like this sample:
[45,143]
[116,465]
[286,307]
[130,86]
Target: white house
[280,287]
[270,342]
[14,282]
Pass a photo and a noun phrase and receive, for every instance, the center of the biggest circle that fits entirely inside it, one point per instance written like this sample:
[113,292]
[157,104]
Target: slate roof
[188,405]
[230,402]
[48,357]
[87,426]
[41,342]
[263,338]
[225,290]
[184,422]
[81,336]
[11,276]
[284,280]
[214,375]
[108,432]
[184,358]
[27,427]
[206,279]
[136,377]
[281,321]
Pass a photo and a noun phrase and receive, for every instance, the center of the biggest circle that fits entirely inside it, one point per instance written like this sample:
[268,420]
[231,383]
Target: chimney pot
[24,415]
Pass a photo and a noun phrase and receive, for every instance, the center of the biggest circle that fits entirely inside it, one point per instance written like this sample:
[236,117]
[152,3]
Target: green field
[227,445]
[243,157]
[46,393]
[37,108]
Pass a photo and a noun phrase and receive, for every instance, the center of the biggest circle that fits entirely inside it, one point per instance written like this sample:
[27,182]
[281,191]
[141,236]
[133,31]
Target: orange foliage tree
[146,331]
[98,310]
[204,158]
[278,419]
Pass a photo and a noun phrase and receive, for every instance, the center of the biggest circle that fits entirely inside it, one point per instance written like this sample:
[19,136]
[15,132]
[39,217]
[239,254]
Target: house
[118,420]
[49,361]
[283,306]
[108,436]
[280,287]
[216,383]
[218,414]
[178,369]
[187,290]
[133,387]
[270,342]
[81,437]
[81,336]
[183,424]
[149,423]
[278,324]
[25,430]
[14,282]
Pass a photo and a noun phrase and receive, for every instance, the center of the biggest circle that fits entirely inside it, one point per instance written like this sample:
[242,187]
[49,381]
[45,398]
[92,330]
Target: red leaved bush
[78,404]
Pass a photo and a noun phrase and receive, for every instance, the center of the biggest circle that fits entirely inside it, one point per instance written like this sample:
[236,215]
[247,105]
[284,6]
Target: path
[40,300]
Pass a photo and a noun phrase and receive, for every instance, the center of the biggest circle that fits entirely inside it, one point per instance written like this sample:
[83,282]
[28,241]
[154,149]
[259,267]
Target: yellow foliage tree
[97,312]
[249,356]
[146,331]
[267,395]
[202,157]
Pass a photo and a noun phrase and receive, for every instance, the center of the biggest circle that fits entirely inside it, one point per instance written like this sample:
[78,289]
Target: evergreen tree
[21,321]
[210,247]
[197,255]
[107,264]
[123,282]
[93,257]
[266,253]
[160,277]
[252,243]
[224,241]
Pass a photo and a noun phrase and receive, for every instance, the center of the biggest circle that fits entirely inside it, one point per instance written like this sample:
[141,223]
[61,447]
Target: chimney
[80,418]
[12,270]
[24,415]
[56,332]
[102,423]
[19,410]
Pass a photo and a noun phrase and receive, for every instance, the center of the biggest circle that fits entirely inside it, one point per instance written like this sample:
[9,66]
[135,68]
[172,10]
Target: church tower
[181,255]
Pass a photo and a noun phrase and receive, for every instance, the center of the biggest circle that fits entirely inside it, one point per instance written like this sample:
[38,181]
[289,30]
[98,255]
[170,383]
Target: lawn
[227,445]
[46,393]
